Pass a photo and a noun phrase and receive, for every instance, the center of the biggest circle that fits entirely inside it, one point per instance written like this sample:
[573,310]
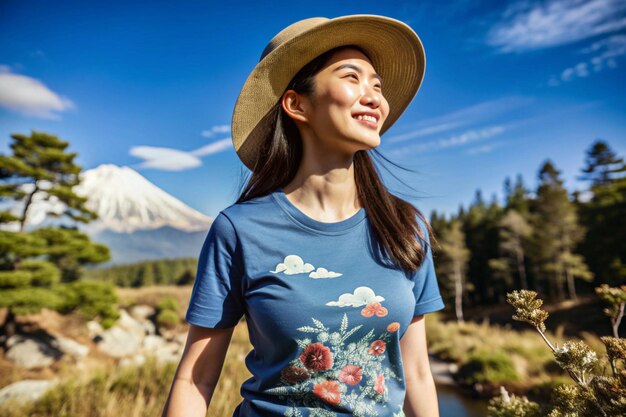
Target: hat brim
[395,50]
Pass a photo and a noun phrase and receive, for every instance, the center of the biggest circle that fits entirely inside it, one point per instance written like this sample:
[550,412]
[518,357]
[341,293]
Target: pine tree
[518,198]
[40,166]
[454,263]
[557,233]
[605,246]
[514,233]
[602,164]
[42,267]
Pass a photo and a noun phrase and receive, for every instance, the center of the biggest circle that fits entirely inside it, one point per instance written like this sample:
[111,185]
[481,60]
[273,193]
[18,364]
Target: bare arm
[198,372]
[421,393]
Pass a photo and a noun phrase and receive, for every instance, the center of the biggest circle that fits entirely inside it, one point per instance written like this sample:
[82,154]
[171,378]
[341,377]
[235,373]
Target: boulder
[141,312]
[69,346]
[30,352]
[94,328]
[26,390]
[119,342]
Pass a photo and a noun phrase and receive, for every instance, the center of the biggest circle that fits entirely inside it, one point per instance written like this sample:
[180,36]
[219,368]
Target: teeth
[366,117]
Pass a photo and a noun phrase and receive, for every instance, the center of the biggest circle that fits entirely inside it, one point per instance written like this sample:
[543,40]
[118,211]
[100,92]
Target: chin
[370,143]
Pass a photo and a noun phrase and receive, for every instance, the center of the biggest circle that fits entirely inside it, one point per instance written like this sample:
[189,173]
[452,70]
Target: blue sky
[152,85]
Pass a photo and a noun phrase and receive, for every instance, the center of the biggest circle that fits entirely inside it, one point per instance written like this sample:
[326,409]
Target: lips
[368,119]
[367,115]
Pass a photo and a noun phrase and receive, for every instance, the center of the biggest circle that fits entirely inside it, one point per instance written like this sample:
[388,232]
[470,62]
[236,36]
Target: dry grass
[134,391]
[100,389]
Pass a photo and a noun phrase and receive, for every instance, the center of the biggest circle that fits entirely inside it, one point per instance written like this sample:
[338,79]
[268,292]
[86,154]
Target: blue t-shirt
[325,309]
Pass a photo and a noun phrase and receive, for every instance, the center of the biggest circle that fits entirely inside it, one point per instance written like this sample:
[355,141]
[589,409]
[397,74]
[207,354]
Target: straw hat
[394,49]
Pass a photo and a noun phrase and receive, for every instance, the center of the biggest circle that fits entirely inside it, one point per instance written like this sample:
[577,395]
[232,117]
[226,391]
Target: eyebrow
[357,69]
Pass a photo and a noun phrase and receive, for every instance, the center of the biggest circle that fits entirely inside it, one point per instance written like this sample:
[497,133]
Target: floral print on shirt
[334,372]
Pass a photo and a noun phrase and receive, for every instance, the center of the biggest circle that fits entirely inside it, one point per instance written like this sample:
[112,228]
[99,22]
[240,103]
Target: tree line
[544,240]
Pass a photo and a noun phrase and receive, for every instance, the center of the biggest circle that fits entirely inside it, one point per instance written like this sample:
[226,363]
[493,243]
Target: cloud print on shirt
[293,264]
[361,296]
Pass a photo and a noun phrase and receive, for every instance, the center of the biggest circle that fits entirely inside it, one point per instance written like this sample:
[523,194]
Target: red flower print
[374,308]
[328,391]
[377,347]
[393,327]
[379,387]
[294,374]
[351,374]
[317,357]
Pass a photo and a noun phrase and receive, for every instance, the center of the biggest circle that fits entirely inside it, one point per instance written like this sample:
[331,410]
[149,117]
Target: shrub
[168,303]
[30,300]
[167,318]
[91,299]
[488,367]
[592,394]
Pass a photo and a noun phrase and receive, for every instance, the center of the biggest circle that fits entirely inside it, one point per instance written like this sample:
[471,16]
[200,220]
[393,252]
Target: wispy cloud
[166,159]
[606,53]
[216,130]
[476,113]
[482,149]
[469,136]
[214,147]
[170,159]
[529,26]
[29,96]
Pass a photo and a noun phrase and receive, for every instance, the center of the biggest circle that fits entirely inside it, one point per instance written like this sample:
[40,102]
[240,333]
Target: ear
[295,105]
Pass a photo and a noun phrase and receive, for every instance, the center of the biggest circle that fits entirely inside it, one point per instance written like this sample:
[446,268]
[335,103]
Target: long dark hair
[393,220]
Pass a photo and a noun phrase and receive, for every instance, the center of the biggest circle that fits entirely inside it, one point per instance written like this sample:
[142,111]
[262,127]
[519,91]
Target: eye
[353,75]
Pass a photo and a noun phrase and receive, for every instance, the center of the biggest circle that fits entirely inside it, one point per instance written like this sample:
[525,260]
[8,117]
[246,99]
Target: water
[453,403]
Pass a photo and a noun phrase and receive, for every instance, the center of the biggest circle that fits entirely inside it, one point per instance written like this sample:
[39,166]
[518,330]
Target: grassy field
[488,354]
[134,391]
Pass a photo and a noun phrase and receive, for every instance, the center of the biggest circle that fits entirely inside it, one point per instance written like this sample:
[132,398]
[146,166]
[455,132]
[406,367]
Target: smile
[367,120]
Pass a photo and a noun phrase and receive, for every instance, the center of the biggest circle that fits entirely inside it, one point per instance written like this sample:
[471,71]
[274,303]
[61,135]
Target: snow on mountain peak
[126,201]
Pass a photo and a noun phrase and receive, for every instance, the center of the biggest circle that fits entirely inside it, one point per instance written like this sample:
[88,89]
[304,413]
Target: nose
[371,97]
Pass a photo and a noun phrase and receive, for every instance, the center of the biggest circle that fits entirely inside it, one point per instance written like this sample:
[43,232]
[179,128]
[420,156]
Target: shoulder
[246,213]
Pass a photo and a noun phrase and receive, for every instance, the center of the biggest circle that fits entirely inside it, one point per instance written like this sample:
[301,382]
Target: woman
[333,273]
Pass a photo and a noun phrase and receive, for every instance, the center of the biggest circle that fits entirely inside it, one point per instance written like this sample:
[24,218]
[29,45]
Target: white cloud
[293,264]
[214,147]
[425,131]
[30,96]
[487,110]
[464,138]
[324,273]
[484,148]
[170,159]
[552,23]
[606,52]
[166,159]
[361,296]
[209,133]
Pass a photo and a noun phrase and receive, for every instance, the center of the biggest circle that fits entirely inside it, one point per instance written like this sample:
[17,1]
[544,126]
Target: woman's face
[347,108]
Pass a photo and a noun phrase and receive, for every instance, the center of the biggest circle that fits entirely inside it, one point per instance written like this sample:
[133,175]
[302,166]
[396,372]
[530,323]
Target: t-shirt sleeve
[426,288]
[216,299]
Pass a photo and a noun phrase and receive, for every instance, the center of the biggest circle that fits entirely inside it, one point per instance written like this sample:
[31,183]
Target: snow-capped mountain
[137,220]
[126,202]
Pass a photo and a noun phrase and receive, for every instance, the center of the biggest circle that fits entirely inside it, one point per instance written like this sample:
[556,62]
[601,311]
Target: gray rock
[26,390]
[94,328]
[119,342]
[141,312]
[127,322]
[69,346]
[30,352]
[153,342]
